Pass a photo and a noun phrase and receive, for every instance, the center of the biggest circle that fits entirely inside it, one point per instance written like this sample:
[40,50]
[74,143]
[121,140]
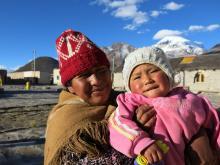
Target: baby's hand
[153,153]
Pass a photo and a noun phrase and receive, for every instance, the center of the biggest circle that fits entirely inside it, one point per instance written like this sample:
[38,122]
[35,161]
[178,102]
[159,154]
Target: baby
[149,79]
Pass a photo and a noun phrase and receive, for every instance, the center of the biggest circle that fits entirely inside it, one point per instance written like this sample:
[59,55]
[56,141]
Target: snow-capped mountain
[118,51]
[176,46]
[173,46]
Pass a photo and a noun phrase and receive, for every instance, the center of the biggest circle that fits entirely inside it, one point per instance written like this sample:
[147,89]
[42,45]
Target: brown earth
[23,116]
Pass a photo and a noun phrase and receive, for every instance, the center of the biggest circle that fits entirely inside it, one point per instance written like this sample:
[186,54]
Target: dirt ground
[23,116]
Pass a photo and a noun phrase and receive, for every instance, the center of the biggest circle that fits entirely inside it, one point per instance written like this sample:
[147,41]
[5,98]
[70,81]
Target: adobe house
[56,77]
[38,71]
[199,73]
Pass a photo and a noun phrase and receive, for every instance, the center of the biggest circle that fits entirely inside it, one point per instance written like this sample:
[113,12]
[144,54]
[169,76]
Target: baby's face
[149,80]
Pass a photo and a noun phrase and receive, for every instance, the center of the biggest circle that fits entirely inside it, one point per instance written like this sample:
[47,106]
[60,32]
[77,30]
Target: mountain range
[173,46]
[117,53]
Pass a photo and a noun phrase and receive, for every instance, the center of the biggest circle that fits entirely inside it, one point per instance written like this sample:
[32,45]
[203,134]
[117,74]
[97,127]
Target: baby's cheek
[136,88]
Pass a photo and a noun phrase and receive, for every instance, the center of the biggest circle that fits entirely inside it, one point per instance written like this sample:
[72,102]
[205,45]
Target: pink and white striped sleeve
[125,135]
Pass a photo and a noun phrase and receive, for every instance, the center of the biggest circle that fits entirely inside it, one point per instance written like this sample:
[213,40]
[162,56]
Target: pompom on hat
[151,55]
[76,54]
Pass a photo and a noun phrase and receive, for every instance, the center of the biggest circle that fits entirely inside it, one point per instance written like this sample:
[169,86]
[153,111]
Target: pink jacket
[179,116]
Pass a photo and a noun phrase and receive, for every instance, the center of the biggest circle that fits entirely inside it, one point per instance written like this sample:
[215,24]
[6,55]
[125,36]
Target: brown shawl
[77,125]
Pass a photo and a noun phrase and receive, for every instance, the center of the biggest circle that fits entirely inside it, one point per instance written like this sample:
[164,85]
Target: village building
[35,77]
[199,73]
[56,77]
[38,71]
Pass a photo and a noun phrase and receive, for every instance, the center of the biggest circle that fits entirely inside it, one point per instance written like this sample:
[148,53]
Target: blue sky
[28,25]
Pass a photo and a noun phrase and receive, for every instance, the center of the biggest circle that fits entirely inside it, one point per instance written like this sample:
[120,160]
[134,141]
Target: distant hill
[216,48]
[43,64]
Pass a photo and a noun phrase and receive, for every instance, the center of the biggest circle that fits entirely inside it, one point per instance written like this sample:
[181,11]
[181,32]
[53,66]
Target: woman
[77,126]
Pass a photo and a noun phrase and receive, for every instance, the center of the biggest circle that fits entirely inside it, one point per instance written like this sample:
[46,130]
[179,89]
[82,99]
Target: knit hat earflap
[77,53]
[151,55]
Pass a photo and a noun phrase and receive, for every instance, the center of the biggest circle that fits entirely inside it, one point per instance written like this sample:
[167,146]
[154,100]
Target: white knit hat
[151,55]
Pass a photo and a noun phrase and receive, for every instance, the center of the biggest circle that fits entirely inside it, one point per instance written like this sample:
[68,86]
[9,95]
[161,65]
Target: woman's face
[93,86]
[149,80]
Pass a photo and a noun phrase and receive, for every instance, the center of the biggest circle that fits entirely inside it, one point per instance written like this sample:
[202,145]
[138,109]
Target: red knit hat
[77,54]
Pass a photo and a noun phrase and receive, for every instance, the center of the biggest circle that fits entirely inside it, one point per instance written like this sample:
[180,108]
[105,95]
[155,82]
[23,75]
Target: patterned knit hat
[77,54]
[151,55]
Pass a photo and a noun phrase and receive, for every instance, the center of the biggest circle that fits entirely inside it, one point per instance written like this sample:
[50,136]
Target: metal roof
[205,61]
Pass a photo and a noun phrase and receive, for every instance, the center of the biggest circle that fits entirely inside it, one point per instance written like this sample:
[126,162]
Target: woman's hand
[145,116]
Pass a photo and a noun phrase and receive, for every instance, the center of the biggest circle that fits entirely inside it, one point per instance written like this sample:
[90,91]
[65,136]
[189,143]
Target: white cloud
[122,3]
[125,9]
[140,18]
[173,6]
[196,28]
[116,4]
[193,28]
[129,10]
[212,27]
[156,13]
[165,32]
[130,27]
[199,28]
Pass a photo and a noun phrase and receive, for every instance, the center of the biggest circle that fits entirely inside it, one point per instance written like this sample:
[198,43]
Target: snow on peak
[177,46]
[173,39]
[118,51]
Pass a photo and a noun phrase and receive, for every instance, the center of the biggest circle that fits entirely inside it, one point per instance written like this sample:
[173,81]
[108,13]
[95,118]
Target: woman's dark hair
[68,84]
